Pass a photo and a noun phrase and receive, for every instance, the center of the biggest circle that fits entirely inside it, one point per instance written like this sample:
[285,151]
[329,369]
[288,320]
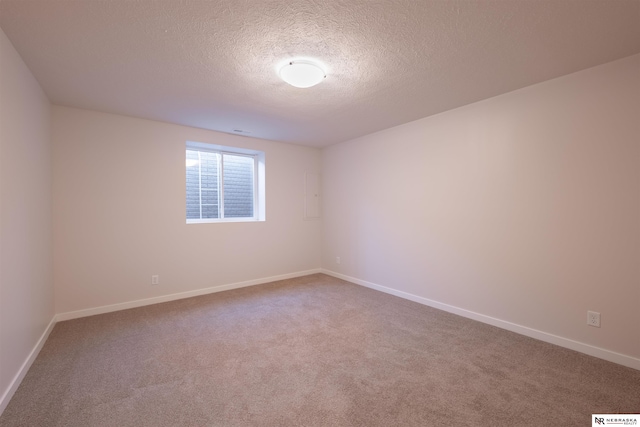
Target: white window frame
[259,210]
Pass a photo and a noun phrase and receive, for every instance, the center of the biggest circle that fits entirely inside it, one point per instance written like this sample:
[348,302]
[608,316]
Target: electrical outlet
[337,260]
[593,319]
[155,279]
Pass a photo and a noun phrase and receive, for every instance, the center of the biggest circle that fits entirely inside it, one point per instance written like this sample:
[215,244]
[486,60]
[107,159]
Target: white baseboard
[598,352]
[172,297]
[15,383]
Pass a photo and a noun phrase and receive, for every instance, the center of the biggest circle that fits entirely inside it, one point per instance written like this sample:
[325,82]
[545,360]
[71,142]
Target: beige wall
[26,285]
[524,207]
[119,213]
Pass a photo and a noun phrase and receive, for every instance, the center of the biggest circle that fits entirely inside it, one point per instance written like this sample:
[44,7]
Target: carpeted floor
[311,351]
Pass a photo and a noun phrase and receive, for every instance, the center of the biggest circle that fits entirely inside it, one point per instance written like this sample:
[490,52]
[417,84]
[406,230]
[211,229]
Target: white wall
[119,213]
[26,285]
[524,207]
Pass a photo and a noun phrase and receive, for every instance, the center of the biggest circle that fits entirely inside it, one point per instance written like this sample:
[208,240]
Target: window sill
[223,220]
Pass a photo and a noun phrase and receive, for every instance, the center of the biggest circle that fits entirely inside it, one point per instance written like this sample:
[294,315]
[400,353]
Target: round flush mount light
[302,73]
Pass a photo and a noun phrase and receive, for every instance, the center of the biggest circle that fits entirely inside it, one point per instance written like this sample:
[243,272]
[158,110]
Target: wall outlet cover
[593,319]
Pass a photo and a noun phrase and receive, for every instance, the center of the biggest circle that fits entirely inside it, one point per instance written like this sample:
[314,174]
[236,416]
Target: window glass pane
[202,184]
[238,186]
[193,185]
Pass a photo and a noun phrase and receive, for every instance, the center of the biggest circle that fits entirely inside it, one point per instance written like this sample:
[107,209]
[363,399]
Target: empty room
[319,213]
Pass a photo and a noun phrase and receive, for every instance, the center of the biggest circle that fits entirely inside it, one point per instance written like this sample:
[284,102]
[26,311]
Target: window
[224,183]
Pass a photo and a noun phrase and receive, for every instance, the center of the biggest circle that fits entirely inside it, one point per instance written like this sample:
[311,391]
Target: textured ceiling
[213,64]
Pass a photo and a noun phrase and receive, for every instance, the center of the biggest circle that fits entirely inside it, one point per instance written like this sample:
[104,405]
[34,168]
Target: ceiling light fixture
[302,73]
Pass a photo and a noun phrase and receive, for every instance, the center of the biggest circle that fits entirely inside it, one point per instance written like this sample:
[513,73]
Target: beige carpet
[311,351]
